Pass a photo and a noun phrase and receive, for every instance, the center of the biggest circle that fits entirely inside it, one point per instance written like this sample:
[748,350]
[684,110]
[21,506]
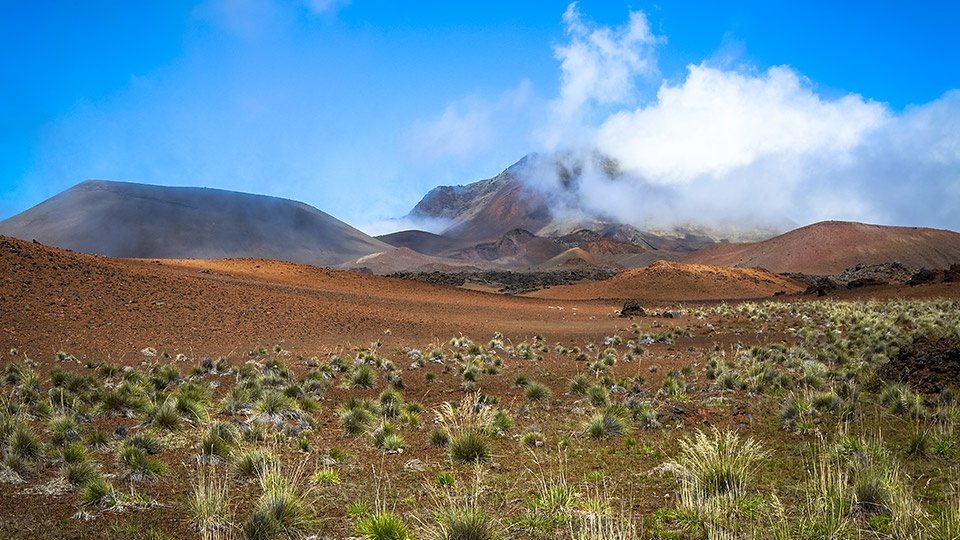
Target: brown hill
[830,247]
[109,309]
[120,219]
[664,280]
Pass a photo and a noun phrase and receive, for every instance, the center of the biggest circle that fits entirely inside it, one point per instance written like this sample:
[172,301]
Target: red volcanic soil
[666,281]
[830,247]
[108,310]
[101,308]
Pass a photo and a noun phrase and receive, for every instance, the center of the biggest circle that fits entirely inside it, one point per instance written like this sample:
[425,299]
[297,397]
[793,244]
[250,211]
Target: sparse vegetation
[815,437]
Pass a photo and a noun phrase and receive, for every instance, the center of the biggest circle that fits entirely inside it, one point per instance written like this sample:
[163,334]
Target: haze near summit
[741,113]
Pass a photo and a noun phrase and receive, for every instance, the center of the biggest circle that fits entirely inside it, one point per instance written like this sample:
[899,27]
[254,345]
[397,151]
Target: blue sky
[360,107]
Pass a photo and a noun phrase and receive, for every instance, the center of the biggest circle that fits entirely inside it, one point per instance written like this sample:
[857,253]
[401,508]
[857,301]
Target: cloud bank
[730,147]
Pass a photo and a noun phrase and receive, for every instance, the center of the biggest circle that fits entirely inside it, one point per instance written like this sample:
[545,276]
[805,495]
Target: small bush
[469,447]
[326,476]
[98,491]
[718,463]
[440,438]
[81,473]
[356,421]
[464,523]
[537,391]
[383,526]
[605,424]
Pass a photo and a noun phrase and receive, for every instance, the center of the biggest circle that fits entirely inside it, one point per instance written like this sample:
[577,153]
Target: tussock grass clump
[610,422]
[387,437]
[23,443]
[718,463]
[383,526]
[80,473]
[285,509]
[129,399]
[357,415]
[361,376]
[326,476]
[98,492]
[138,465]
[74,453]
[598,396]
[464,523]
[165,375]
[166,416]
[208,505]
[533,438]
[537,391]
[580,384]
[218,442]
[470,447]
[468,425]
[251,462]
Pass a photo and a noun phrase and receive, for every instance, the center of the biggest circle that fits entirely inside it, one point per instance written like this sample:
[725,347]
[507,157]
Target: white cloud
[470,127]
[598,66]
[717,121]
[733,146]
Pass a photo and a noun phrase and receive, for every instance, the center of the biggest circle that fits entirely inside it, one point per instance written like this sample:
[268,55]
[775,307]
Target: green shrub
[383,526]
[607,423]
[464,523]
[79,474]
[718,463]
[469,447]
[138,465]
[537,391]
[63,429]
[361,376]
[356,420]
[440,438]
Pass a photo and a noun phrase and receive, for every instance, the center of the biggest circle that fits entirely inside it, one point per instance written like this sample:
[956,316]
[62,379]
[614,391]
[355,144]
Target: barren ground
[107,310]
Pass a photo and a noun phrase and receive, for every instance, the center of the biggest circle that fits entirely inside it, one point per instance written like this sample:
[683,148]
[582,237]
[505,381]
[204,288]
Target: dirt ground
[106,310]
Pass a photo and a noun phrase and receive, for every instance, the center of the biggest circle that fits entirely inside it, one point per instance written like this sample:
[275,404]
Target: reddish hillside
[101,308]
[665,280]
[830,247]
